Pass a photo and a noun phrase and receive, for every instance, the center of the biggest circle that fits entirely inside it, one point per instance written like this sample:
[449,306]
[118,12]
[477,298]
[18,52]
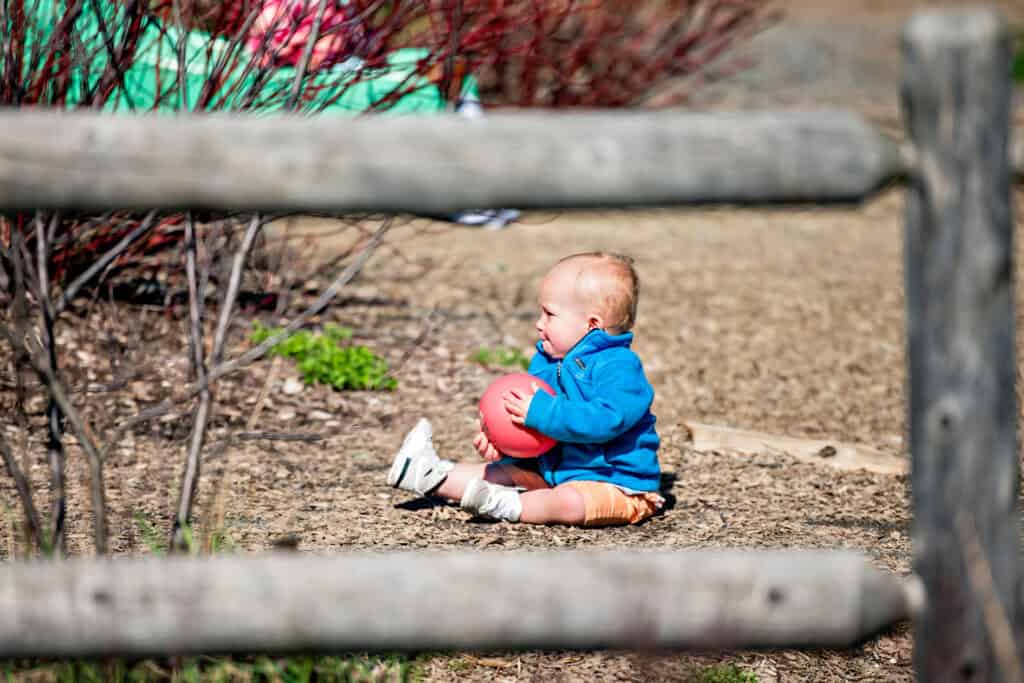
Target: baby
[604,467]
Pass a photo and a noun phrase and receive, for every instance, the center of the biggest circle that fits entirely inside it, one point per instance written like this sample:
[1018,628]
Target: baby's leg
[558,505]
[419,469]
[505,474]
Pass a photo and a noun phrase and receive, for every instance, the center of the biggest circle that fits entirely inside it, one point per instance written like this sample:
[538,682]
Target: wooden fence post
[960,334]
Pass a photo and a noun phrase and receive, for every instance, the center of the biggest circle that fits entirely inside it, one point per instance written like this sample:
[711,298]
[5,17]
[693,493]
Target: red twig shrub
[589,53]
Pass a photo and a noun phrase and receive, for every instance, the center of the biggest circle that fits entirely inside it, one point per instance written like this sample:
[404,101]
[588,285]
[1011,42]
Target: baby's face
[564,318]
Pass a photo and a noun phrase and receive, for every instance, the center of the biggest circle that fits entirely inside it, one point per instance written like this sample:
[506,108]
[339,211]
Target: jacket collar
[595,340]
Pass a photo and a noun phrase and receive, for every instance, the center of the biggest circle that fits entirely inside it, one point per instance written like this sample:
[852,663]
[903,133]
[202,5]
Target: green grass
[1017,68]
[501,356]
[150,535]
[322,359]
[355,668]
[217,541]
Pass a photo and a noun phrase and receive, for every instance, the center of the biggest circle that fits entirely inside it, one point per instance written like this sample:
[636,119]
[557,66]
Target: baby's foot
[417,467]
[492,500]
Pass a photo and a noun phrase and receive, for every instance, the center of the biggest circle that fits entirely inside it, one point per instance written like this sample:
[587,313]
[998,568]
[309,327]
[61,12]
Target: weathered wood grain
[436,164]
[960,335]
[442,600]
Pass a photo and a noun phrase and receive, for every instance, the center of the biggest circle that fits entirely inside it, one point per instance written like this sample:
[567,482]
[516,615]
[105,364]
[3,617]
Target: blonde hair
[611,280]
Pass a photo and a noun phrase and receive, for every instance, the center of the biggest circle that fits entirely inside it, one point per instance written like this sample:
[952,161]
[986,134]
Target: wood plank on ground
[843,456]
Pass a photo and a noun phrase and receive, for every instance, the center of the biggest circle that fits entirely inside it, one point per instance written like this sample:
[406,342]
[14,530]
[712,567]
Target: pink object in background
[286,26]
[508,438]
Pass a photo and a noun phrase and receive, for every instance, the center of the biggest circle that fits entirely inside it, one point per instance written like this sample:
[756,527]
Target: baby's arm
[621,398]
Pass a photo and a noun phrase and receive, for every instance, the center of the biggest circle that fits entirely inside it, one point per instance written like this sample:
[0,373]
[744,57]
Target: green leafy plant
[726,673]
[1017,66]
[501,355]
[151,537]
[321,359]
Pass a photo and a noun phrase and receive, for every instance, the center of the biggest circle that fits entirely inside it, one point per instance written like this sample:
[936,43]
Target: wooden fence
[962,411]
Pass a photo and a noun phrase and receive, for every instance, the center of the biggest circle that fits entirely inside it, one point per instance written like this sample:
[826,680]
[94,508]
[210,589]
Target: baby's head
[583,292]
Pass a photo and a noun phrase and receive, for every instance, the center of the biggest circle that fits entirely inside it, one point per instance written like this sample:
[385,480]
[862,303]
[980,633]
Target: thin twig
[313,309]
[190,478]
[448,79]
[19,319]
[307,53]
[182,56]
[55,429]
[71,290]
[228,305]
[215,450]
[310,437]
[228,58]
[424,334]
[81,430]
[275,367]
[19,315]
[24,491]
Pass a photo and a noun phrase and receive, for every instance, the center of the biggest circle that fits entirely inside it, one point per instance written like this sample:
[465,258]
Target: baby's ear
[595,321]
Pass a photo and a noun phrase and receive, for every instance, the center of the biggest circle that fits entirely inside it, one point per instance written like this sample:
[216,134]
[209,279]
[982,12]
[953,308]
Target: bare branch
[182,57]
[24,491]
[81,430]
[228,304]
[55,427]
[307,52]
[190,478]
[19,319]
[108,257]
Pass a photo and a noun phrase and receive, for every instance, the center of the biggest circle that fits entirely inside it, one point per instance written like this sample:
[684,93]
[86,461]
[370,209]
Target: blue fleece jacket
[600,415]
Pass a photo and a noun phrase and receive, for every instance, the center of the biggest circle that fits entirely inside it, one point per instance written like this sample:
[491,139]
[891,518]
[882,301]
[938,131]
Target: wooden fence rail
[461,600]
[436,164]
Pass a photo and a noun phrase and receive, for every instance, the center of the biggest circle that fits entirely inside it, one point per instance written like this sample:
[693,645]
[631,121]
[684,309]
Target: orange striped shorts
[606,504]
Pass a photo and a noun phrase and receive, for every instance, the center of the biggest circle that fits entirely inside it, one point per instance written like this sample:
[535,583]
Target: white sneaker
[492,500]
[417,467]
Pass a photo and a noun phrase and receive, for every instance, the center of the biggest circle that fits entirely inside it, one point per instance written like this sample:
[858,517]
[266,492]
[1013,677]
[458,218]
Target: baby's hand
[484,446]
[517,403]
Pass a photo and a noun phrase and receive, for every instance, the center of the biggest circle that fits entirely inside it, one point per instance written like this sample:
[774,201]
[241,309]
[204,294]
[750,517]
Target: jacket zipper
[558,463]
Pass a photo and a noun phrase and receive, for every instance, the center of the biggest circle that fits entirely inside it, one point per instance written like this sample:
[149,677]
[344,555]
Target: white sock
[492,500]
[506,504]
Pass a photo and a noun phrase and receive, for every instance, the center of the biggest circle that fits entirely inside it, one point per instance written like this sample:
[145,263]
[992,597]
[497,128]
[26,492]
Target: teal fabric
[336,90]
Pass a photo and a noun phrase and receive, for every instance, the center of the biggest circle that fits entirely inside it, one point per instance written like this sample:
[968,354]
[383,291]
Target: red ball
[512,439]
